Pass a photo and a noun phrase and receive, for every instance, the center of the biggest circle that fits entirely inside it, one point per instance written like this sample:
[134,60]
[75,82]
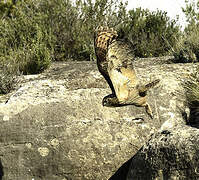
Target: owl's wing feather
[124,82]
[102,38]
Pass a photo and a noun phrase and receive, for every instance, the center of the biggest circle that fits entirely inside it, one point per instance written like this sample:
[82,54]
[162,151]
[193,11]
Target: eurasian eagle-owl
[115,62]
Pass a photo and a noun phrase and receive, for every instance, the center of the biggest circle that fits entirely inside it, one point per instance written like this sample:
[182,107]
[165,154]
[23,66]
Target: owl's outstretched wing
[122,74]
[102,39]
[124,82]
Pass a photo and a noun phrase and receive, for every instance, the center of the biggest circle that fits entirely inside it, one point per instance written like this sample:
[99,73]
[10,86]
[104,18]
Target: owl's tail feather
[145,88]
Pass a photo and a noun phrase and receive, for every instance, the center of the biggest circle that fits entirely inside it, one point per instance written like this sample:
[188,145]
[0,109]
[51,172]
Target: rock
[54,126]
[169,154]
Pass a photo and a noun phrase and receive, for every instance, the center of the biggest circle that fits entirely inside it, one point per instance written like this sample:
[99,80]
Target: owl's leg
[111,99]
[148,110]
[108,80]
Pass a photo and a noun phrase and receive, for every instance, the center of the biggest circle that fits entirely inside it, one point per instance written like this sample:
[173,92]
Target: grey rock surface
[54,126]
[170,154]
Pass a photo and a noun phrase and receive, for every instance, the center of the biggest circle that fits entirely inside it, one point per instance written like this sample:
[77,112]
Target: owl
[115,60]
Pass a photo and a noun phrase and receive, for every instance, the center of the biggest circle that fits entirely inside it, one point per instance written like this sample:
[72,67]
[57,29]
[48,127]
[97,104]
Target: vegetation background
[33,33]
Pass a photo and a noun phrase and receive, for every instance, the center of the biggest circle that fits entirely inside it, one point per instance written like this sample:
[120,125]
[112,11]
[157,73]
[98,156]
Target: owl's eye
[143,94]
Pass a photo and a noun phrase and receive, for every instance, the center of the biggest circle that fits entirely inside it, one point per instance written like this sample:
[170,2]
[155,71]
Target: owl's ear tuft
[144,88]
[152,84]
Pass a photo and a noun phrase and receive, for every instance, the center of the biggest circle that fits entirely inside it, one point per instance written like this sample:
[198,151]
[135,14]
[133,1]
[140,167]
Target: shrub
[152,33]
[192,89]
[24,41]
[183,53]
[90,16]
[191,86]
[6,8]
[63,27]
[187,49]
[8,80]
[35,32]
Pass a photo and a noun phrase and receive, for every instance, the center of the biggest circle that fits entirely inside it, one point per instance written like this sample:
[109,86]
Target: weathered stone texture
[169,154]
[54,126]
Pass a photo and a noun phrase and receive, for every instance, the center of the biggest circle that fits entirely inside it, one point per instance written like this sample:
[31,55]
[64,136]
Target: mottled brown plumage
[115,62]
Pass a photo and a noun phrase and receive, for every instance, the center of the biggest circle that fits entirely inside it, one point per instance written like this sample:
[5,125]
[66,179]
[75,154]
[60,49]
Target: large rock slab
[54,126]
[171,154]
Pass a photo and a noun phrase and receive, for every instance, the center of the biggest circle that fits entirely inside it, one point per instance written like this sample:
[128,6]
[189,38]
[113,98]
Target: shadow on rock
[1,171]
[121,173]
[168,154]
[193,119]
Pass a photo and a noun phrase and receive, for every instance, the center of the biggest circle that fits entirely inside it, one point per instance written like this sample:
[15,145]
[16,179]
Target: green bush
[6,8]
[90,15]
[183,53]
[152,33]
[187,49]
[35,32]
[192,89]
[191,86]
[24,41]
[8,80]
[63,28]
